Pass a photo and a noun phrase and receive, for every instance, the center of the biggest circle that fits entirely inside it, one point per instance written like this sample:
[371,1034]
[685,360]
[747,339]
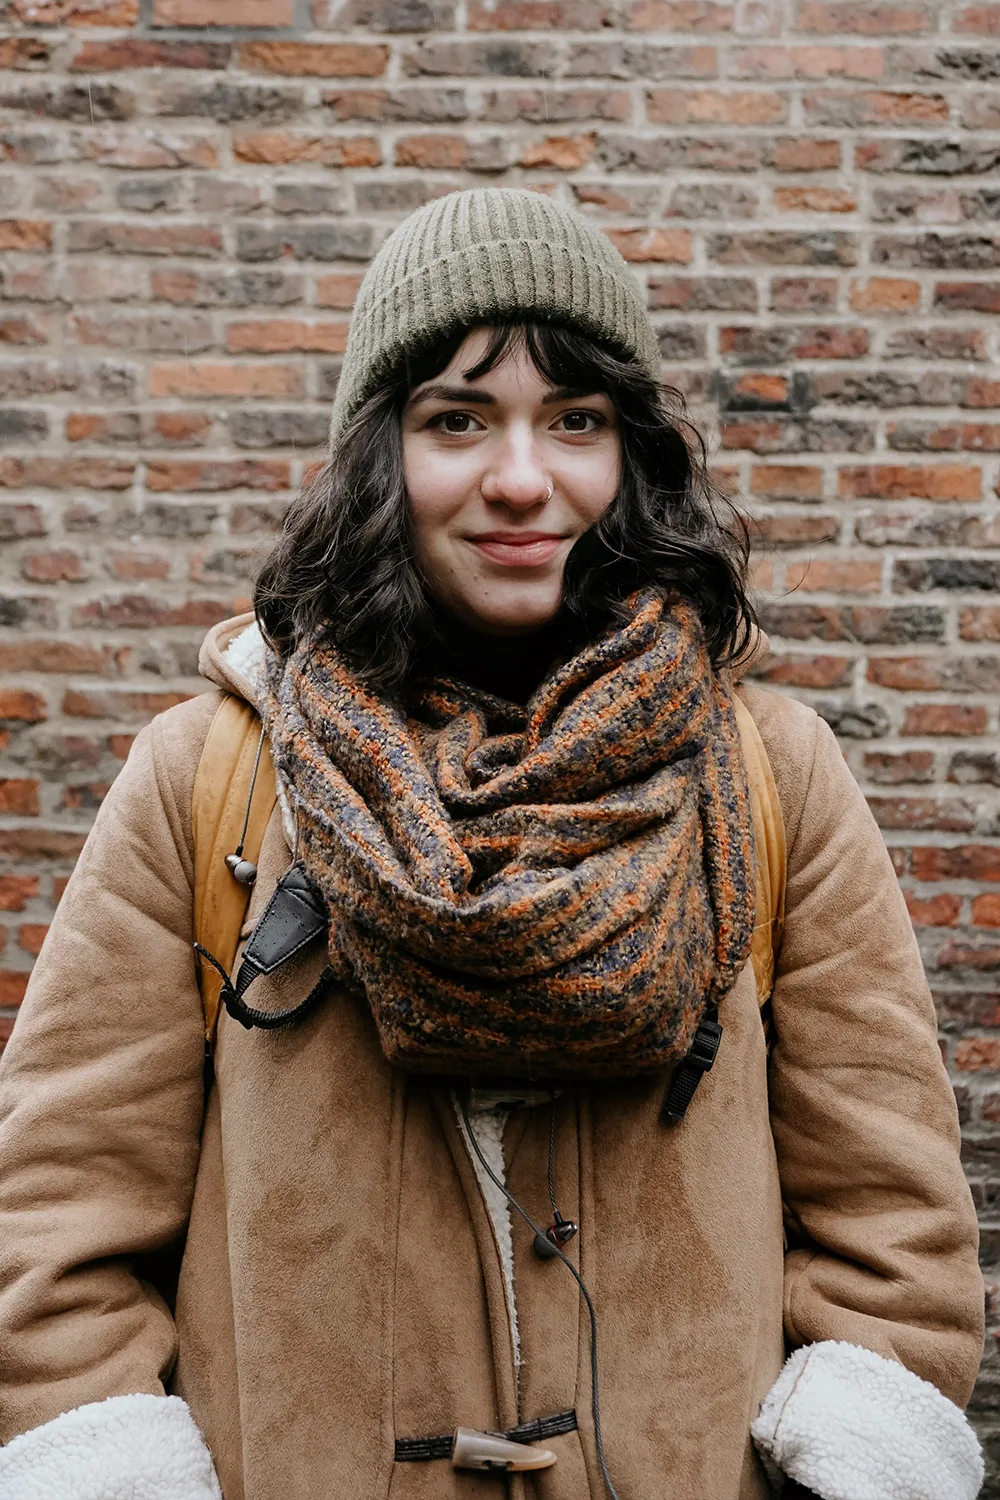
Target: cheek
[434,497]
[593,486]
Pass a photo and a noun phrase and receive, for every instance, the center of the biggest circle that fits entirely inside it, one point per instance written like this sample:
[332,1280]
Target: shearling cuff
[848,1424]
[125,1448]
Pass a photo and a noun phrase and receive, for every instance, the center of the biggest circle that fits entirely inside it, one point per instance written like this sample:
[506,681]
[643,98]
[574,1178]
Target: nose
[516,477]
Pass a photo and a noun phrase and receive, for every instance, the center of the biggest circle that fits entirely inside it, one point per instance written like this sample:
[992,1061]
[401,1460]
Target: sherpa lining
[850,1425]
[126,1448]
[487,1126]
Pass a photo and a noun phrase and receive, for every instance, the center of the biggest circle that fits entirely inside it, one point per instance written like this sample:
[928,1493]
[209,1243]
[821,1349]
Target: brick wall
[807,190]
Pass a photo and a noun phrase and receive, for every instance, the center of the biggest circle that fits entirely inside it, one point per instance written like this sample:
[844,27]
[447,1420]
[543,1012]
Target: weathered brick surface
[189,192]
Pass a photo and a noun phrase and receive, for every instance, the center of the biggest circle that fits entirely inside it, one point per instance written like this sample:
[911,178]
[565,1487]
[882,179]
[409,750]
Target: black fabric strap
[419,1450]
[690,1070]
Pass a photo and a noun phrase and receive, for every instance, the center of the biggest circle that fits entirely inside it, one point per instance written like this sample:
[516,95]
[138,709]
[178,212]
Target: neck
[508,666]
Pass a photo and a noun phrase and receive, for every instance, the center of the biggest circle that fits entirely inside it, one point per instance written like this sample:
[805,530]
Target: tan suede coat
[340,1284]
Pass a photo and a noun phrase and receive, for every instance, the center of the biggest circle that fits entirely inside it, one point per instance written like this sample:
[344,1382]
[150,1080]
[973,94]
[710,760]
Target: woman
[498,664]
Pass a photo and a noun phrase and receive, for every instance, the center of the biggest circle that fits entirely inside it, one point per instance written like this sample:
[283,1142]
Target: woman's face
[480,459]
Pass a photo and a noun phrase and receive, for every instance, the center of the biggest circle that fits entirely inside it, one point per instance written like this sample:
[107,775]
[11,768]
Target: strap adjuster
[691,1069]
[705,1046]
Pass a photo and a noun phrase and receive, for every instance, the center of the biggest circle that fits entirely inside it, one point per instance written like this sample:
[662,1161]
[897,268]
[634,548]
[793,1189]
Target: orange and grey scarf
[553,891]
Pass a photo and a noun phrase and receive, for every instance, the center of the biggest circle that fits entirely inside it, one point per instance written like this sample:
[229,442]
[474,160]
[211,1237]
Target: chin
[516,616]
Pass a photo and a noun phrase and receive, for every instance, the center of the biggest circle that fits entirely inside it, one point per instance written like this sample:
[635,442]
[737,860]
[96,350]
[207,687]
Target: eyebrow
[470,395]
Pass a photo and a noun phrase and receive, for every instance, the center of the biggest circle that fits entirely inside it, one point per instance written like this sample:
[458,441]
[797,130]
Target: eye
[575,421]
[458,423]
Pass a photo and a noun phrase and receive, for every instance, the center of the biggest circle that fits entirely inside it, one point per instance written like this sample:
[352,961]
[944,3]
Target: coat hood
[232,656]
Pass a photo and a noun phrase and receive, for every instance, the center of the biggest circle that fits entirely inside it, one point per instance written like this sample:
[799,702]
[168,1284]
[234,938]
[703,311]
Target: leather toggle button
[472,1449]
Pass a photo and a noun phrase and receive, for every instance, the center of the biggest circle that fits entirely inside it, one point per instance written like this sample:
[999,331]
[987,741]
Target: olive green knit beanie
[476,255]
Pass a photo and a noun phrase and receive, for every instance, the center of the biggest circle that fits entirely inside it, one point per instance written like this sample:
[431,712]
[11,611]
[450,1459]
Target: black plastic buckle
[692,1068]
[705,1046]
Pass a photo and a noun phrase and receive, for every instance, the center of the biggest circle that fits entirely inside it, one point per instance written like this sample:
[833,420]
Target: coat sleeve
[883,1300]
[101,1101]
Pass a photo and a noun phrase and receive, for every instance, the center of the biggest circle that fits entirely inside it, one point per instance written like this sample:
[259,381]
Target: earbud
[560,1233]
[243,870]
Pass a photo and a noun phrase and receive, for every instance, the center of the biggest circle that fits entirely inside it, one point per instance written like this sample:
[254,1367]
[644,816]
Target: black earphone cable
[595,1403]
[556,1216]
[253,782]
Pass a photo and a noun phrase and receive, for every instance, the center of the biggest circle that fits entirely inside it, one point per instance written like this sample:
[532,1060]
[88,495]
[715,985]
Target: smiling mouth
[529,549]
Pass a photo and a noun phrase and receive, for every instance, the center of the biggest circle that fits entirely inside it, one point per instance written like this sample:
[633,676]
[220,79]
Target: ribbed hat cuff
[478,282]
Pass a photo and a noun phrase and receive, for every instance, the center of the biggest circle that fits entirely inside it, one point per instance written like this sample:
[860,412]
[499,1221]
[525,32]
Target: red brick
[945,718]
[315,59]
[815,200]
[674,106]
[16,891]
[968,296]
[286,336]
[979,622]
[66,473]
[59,565]
[786,481]
[861,18]
[185,378]
[143,52]
[124,703]
[816,61]
[116,237]
[681,15]
[804,293]
[806,671]
[435,150]
[223,13]
[840,575]
[885,294]
[897,767]
[12,987]
[199,474]
[805,154]
[639,245]
[20,703]
[796,530]
[21,328]
[281,148]
[764,388]
[960,862]
[563,152]
[927,813]
[31,935]
[539,15]
[906,674]
[180,428]
[23,52]
[19,796]
[148,150]
[981,20]
[338,289]
[77,12]
[902,482]
[982,392]
[25,234]
[974,1054]
[986,910]
[86,796]
[23,654]
[933,911]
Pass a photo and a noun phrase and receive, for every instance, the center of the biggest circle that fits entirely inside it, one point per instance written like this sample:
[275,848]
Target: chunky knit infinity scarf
[550,891]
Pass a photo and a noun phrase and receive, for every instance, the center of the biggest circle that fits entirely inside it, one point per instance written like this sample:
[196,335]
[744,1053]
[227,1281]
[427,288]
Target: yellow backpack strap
[219,806]
[769,837]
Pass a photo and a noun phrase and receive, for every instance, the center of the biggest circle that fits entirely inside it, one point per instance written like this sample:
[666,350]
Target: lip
[518,549]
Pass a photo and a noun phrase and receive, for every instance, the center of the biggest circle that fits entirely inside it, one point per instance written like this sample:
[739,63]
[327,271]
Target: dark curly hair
[344,564]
